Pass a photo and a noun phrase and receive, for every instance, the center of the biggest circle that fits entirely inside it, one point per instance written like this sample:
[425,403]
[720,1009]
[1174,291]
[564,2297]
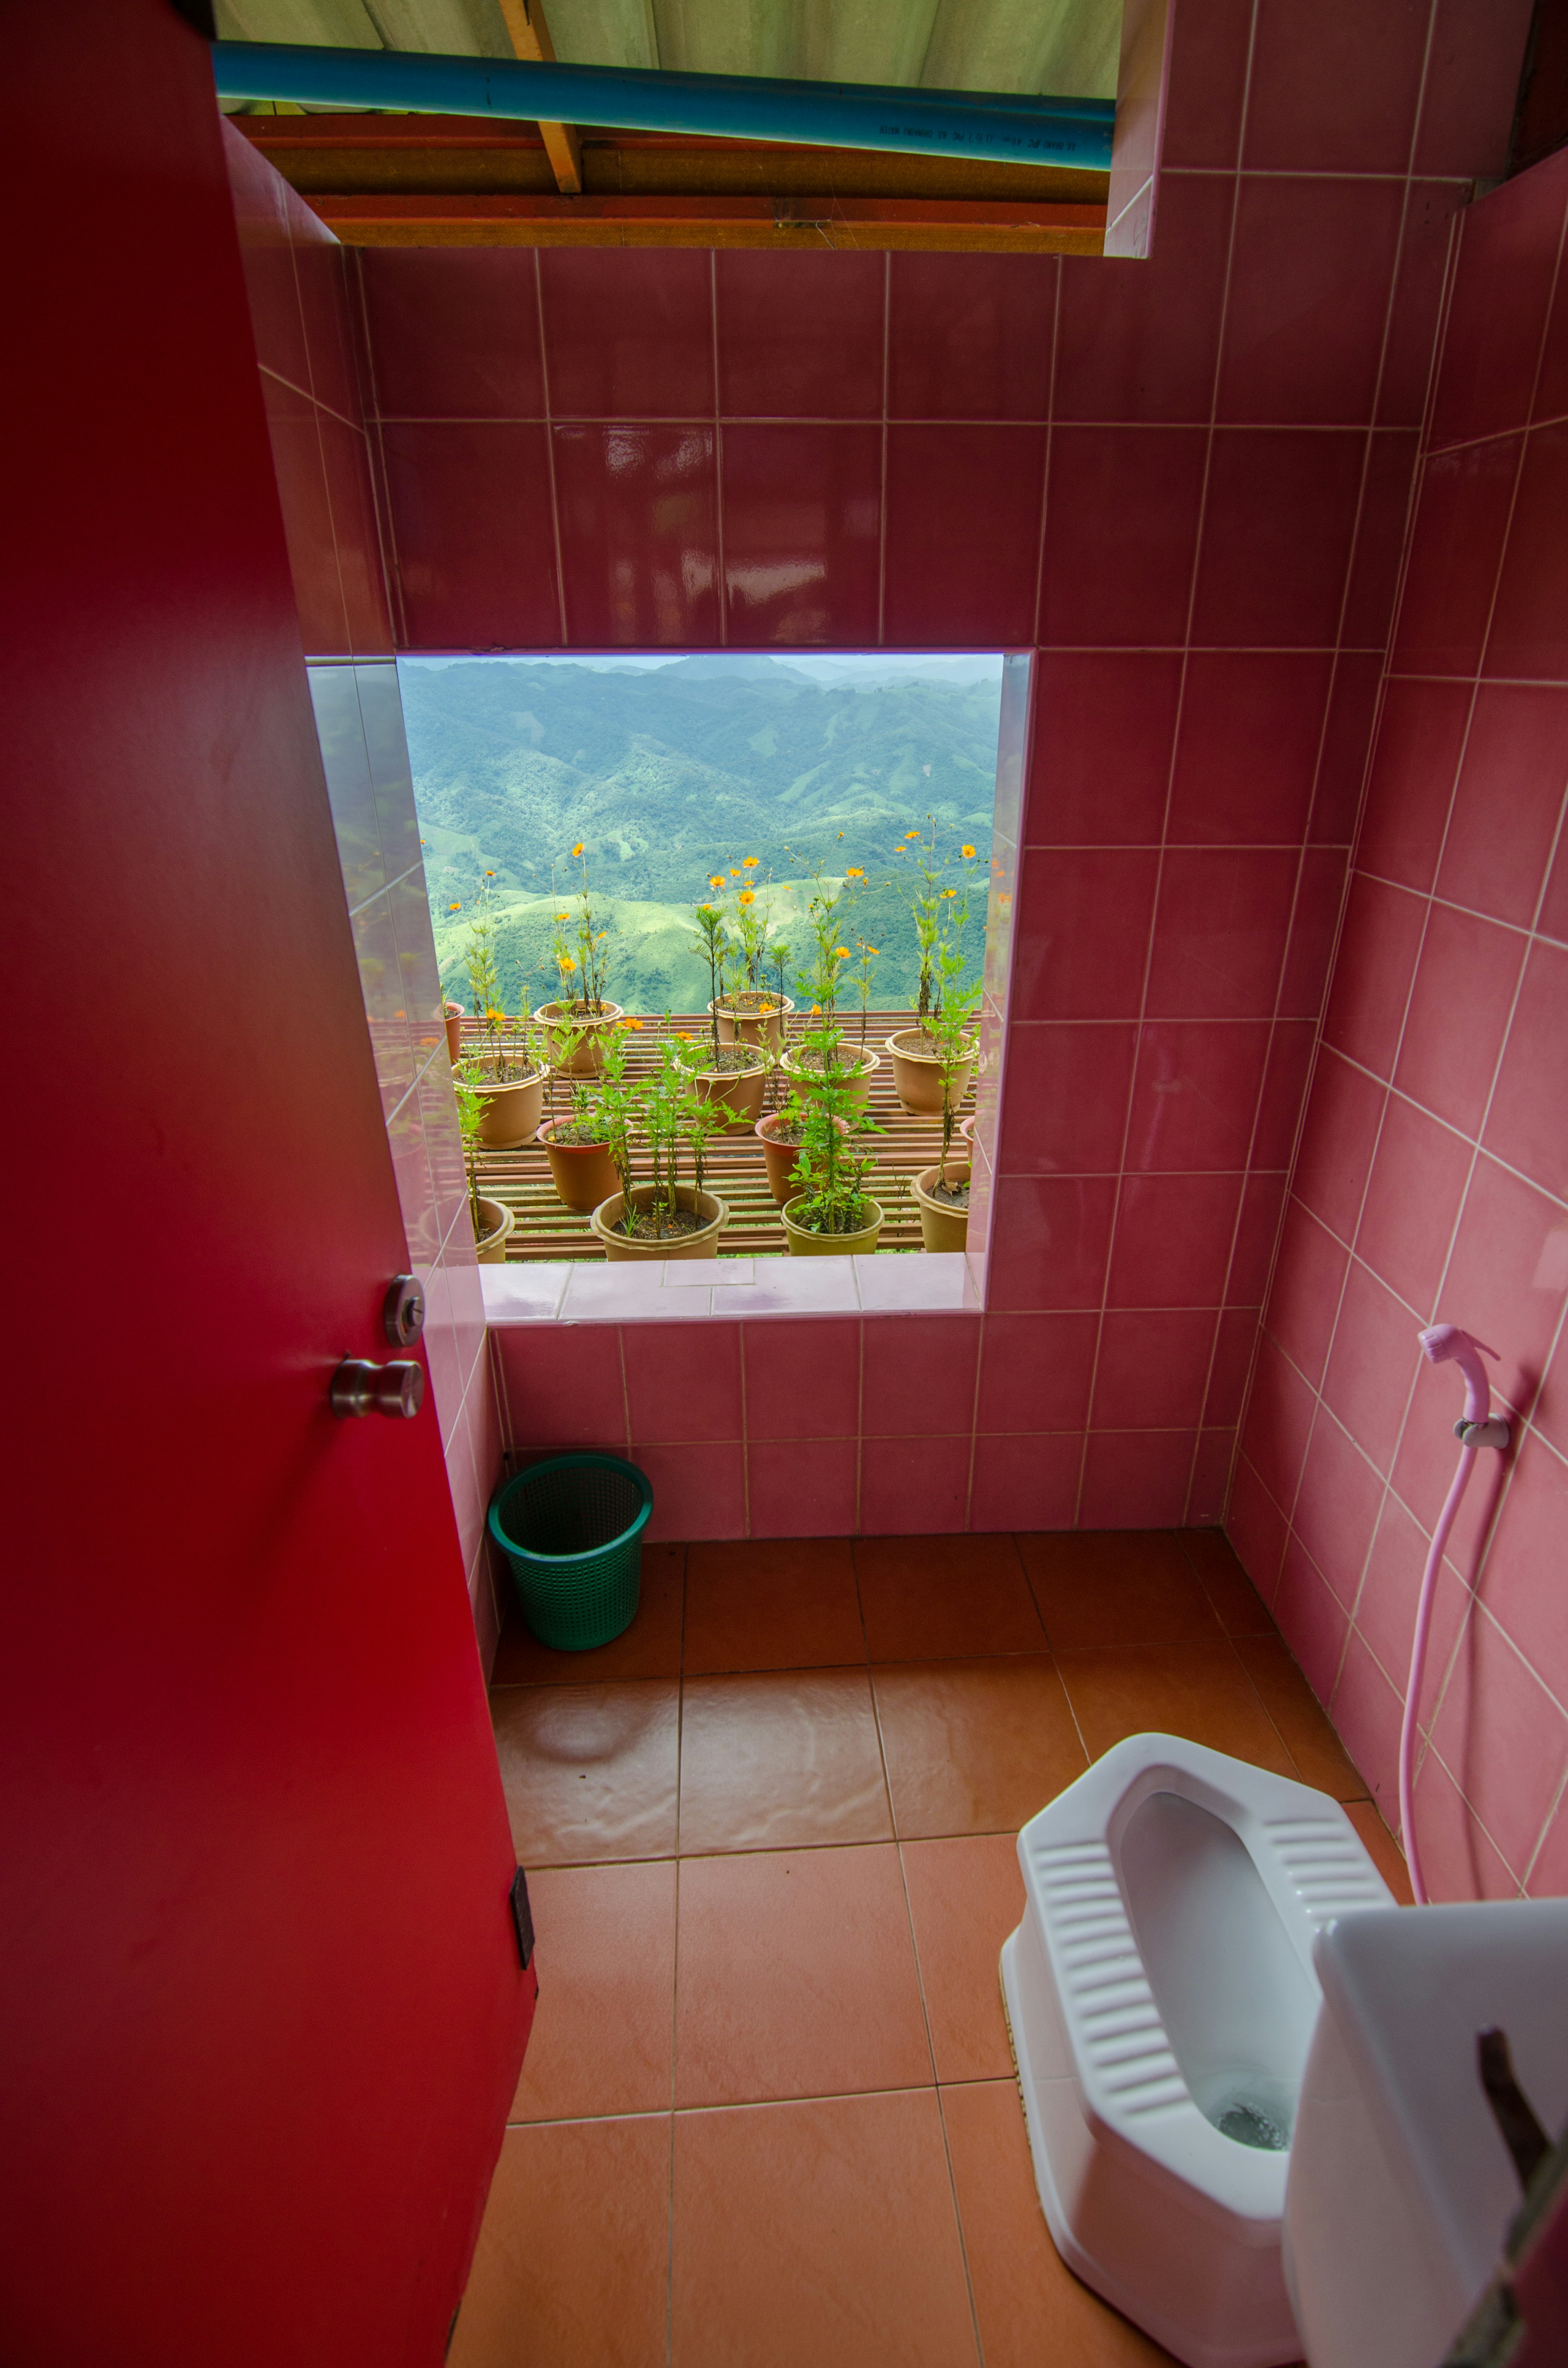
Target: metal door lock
[360,1387]
[403,1311]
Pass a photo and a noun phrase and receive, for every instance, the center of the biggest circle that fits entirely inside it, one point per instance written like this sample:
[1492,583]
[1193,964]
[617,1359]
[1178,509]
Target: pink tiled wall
[311,372]
[1432,1182]
[1182,485]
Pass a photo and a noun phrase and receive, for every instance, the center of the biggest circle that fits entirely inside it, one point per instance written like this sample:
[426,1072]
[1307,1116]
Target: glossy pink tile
[454,331]
[464,499]
[324,306]
[803,1379]
[1528,1121]
[1416,765]
[682,1381]
[913,1486]
[1456,546]
[1303,1301]
[1277,530]
[1284,1092]
[1065,1111]
[1529,624]
[1509,1272]
[1308,296]
[1552,386]
[1413,1202]
[1049,1240]
[639,535]
[1424,1469]
[963,547]
[1385,1608]
[1366,1711]
[1173,1240]
[346,456]
[1380,531]
[1312,1620]
[1503,280]
[300,471]
[1257,1231]
[1278,1423]
[1207,86]
[1247,758]
[1336,1507]
[1256,1527]
[1026,1483]
[1209,1491]
[1517,1586]
[803,509]
[1083,932]
[969,335]
[1152,1368]
[564,1388]
[1220,932]
[1337,1141]
[1516,765]
[629,334]
[1502,1738]
[267,257]
[1372,1365]
[1123,505]
[799,335]
[1320,897]
[1452,1039]
[1103,732]
[1373,974]
[1035,1373]
[699,1492]
[1458,1857]
[1347,743]
[801,1488]
[1235,1342]
[1195,1094]
[1473,71]
[1332,91]
[918,1376]
[1136,1479]
[1139,341]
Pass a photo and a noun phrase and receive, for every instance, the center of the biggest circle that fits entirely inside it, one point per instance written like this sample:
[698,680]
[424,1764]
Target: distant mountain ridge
[669,774]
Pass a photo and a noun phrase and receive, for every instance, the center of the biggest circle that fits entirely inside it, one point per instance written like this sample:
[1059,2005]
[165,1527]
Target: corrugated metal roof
[1068,48]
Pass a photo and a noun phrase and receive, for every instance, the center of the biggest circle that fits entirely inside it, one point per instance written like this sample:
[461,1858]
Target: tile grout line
[550,454]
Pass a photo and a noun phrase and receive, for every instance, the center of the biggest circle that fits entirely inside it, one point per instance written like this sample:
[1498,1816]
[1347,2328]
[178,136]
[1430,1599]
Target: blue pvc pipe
[993,127]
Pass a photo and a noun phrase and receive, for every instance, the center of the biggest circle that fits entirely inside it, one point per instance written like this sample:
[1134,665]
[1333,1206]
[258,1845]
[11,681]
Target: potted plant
[940,912]
[508,1069]
[577,1145]
[750,1012]
[941,1192]
[492,1221]
[664,1218]
[581,1016]
[831,1213]
[731,1074]
[825,913]
[782,1134]
[452,1014]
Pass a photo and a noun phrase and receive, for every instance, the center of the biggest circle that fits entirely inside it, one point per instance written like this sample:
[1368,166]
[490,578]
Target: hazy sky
[841,666]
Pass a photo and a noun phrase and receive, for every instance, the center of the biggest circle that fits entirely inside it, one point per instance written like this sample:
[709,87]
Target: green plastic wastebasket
[572,1529]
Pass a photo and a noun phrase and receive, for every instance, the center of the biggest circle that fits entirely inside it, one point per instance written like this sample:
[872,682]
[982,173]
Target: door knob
[360,1387]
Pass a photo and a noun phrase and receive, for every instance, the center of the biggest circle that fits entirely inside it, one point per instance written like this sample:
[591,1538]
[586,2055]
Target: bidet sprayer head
[1447,1340]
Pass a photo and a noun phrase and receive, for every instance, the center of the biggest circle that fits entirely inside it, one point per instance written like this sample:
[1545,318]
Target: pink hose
[1417,1670]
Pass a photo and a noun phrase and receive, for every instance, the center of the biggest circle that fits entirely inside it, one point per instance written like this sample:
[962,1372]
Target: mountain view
[670,770]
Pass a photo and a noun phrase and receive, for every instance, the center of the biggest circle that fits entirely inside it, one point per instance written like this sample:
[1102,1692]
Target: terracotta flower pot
[453,1014]
[511,1111]
[706,1205]
[779,1158]
[942,1227]
[498,1221]
[966,1127]
[803,1243]
[741,1091]
[585,1057]
[764,1026]
[917,1076]
[583,1173]
[802,1073]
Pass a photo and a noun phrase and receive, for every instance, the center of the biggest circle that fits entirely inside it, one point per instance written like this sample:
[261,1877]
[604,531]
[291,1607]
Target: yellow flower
[949,892]
[749,862]
[966,850]
[490,875]
[841,953]
[745,897]
[715,879]
[578,848]
[454,908]
[685,1033]
[563,917]
[854,872]
[567,962]
[912,834]
[634,1023]
[816,1011]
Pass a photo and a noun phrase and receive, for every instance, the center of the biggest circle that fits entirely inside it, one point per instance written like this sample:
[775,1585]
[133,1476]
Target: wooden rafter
[529,33]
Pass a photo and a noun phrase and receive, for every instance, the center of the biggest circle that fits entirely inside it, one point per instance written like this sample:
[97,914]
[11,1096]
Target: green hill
[667,774]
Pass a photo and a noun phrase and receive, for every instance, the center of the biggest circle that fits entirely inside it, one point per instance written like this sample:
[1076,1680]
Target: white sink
[1401,2188]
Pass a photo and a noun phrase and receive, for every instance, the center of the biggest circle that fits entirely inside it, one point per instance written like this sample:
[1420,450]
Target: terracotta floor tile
[796,1977]
[571,2264]
[932,1599]
[1116,1587]
[1032,2309]
[1198,1690]
[817,2235]
[589,1771]
[774,1603]
[1386,1854]
[649,1648]
[974,1746]
[1321,1759]
[1241,1611]
[780,1760]
[965,1897]
[604,2028]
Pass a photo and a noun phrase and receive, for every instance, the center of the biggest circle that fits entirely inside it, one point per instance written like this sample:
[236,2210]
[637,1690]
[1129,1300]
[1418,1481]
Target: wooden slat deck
[734,1168]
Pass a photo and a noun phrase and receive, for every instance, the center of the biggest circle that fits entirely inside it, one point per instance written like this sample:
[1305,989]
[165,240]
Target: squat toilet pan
[1161,1999]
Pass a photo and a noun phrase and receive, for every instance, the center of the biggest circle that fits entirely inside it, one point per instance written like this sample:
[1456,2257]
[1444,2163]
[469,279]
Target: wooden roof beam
[529,35]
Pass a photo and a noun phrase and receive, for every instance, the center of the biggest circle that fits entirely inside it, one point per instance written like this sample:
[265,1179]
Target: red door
[261,2008]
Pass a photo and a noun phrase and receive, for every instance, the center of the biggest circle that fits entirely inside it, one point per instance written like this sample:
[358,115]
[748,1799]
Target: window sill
[703,1290]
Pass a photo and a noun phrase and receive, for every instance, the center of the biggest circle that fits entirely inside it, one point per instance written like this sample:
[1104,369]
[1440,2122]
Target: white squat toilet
[1161,1996]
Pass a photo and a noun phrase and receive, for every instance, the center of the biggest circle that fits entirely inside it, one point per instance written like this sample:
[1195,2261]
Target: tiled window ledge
[933,1282]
